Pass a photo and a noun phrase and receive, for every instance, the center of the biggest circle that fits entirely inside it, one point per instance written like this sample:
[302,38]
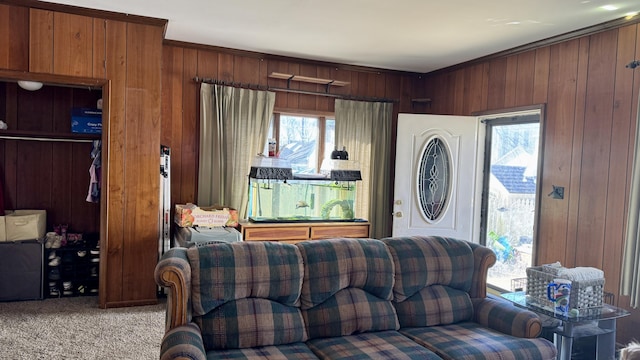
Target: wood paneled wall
[590,121]
[126,52]
[180,95]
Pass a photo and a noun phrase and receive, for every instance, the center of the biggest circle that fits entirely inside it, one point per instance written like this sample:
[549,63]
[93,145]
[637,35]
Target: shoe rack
[72,264]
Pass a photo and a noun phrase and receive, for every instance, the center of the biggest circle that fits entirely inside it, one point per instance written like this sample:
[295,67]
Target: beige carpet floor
[76,328]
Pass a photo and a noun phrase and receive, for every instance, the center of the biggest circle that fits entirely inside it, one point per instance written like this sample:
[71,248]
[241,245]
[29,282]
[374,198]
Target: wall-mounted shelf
[307,79]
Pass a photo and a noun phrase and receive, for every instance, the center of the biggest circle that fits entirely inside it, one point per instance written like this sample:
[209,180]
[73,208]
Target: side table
[599,322]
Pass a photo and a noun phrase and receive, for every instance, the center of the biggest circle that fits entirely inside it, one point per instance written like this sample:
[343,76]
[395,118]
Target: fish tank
[277,195]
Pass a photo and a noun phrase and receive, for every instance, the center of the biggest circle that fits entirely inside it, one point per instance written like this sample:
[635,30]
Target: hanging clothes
[95,172]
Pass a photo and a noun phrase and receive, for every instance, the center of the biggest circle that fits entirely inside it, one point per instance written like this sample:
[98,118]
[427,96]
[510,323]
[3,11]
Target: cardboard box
[25,224]
[193,215]
[87,121]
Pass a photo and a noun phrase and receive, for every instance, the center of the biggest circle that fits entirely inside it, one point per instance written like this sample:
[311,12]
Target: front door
[438,176]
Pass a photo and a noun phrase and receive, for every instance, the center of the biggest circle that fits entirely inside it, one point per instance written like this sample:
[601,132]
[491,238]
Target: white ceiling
[409,35]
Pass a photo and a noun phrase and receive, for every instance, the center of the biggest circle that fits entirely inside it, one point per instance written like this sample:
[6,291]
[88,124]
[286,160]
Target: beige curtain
[630,279]
[234,124]
[364,128]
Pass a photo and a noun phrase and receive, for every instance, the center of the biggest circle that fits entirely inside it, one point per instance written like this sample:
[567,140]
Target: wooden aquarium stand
[300,231]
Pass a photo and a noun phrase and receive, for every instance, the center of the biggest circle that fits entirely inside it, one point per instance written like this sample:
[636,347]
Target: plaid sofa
[396,298]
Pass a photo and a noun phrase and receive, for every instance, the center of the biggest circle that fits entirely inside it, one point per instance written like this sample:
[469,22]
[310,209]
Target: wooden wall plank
[322,102]
[207,64]
[171,131]
[457,92]
[41,41]
[511,82]
[620,128]
[576,152]
[599,97]
[524,78]
[541,76]
[278,67]
[308,102]
[144,45]
[73,39]
[475,93]
[497,83]
[114,175]
[557,151]
[190,122]
[14,38]
[628,326]
[98,49]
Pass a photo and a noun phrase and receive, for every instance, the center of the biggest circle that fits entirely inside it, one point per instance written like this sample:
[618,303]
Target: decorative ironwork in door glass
[434,179]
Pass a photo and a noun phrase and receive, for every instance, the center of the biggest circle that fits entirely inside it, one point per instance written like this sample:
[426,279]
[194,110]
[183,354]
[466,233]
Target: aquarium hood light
[270,168]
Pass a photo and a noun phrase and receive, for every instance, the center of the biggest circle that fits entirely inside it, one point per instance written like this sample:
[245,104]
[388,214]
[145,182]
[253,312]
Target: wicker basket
[585,294]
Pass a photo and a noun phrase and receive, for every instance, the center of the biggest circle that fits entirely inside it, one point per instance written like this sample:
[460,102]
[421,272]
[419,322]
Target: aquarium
[276,194]
[301,199]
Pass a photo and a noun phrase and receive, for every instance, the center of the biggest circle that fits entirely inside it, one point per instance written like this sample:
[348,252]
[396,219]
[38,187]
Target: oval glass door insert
[434,180]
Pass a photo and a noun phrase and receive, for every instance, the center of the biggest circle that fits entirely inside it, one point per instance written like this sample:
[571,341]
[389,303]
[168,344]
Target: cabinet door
[276,233]
[333,231]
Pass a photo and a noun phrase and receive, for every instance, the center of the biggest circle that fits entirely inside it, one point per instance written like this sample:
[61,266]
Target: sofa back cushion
[433,278]
[347,287]
[247,294]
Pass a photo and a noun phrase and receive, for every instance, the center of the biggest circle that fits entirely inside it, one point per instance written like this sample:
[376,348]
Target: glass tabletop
[520,298]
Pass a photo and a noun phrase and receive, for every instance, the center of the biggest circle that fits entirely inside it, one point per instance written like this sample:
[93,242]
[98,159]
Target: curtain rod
[39,138]
[288,90]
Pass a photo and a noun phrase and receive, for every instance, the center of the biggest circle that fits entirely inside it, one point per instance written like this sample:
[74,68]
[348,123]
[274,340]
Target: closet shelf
[47,136]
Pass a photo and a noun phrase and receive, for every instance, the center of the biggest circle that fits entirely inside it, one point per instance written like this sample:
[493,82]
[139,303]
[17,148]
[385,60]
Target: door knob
[398,214]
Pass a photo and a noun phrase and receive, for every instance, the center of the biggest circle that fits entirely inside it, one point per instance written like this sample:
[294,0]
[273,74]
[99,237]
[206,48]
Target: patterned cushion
[247,294]
[378,345]
[347,288]
[471,341]
[435,305]
[434,274]
[336,264]
[350,311]
[251,322]
[297,351]
[229,271]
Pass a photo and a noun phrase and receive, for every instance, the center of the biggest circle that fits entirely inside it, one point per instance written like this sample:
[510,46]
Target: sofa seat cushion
[296,351]
[435,305]
[472,341]
[372,345]
[251,322]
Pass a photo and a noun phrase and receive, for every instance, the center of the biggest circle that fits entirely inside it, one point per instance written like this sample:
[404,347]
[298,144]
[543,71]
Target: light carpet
[76,328]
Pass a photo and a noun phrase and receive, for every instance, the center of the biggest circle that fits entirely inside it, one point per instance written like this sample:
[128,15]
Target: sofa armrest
[174,272]
[183,342]
[506,318]
[483,259]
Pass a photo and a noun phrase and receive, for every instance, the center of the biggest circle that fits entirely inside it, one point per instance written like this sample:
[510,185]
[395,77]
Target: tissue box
[87,121]
[212,216]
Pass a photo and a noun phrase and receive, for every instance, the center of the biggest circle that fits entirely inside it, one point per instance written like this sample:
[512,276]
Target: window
[303,140]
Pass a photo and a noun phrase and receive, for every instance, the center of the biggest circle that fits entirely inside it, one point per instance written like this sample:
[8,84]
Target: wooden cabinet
[294,232]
